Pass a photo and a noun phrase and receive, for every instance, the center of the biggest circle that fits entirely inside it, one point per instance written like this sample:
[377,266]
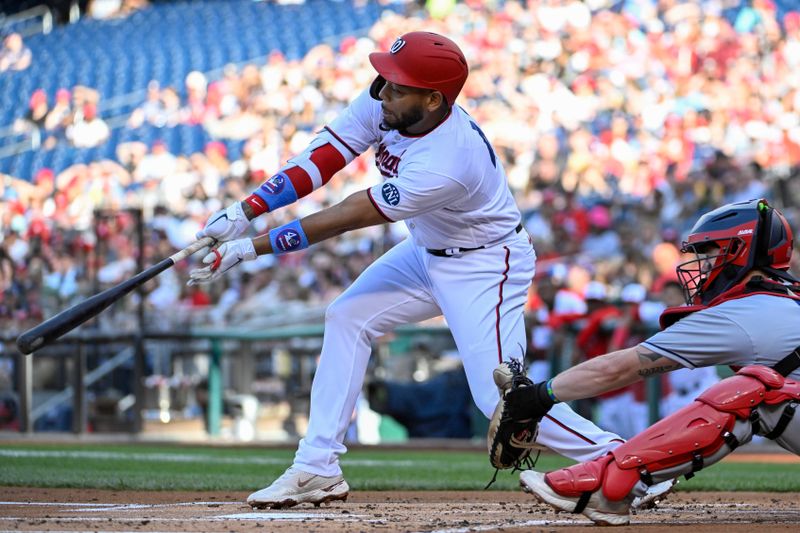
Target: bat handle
[191,249]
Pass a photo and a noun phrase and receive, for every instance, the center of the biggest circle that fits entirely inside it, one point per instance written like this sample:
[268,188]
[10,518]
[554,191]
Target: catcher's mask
[728,243]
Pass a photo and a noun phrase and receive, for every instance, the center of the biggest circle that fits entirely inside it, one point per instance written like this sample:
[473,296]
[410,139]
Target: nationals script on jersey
[447,185]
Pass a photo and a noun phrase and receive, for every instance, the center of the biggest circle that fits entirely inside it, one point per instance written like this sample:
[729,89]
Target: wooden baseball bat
[69,319]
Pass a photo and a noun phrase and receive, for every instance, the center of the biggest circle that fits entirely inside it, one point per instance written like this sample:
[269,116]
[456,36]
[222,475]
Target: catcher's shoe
[295,487]
[599,509]
[654,495]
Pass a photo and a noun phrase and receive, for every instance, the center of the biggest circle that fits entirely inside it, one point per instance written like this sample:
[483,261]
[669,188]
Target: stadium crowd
[616,128]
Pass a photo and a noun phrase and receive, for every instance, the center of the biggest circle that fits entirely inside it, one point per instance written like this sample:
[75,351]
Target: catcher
[743,311]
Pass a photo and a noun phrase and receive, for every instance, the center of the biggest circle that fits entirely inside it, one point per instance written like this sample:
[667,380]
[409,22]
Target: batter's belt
[454,252]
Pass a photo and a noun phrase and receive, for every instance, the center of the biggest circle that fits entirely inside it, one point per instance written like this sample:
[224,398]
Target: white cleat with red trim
[599,509]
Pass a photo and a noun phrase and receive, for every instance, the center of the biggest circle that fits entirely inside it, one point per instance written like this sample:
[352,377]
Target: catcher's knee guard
[692,438]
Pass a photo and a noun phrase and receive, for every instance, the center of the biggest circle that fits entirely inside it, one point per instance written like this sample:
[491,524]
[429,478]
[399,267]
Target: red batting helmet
[750,235]
[422,59]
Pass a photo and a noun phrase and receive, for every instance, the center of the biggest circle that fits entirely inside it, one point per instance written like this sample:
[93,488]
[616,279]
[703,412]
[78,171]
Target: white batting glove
[220,260]
[226,224]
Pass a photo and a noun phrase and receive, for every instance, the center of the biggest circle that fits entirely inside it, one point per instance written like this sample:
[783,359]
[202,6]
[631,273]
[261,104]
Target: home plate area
[23,509]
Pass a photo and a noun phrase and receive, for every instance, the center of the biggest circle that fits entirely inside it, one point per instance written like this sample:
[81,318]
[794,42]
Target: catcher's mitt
[511,440]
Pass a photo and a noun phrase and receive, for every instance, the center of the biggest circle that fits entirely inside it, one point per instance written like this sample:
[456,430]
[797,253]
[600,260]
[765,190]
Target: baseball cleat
[295,487]
[654,495]
[598,509]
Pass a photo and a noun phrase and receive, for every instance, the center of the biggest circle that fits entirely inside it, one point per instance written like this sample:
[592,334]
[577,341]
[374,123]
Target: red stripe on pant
[579,435]
[497,309]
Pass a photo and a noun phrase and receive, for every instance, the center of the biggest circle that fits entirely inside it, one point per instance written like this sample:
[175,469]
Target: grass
[159,467]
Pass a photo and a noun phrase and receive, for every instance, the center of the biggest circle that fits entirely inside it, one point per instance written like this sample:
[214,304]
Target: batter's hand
[226,224]
[220,260]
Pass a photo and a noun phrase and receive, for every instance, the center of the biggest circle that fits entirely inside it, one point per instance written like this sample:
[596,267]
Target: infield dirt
[30,509]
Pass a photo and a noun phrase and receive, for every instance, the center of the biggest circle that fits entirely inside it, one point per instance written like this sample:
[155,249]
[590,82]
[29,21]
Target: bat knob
[27,345]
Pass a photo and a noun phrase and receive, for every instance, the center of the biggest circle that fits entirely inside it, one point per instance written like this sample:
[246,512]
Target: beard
[404,121]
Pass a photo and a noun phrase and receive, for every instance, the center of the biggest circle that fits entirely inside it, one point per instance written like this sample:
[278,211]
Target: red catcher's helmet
[750,235]
[424,60]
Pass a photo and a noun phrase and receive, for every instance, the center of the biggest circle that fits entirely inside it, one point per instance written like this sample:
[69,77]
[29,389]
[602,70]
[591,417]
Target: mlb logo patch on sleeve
[390,194]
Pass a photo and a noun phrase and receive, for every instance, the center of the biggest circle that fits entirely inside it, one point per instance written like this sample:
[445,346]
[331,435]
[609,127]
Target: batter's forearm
[332,222]
[317,227]
[355,212]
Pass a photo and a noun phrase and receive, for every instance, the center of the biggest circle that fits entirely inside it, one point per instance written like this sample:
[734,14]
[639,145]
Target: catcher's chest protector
[696,436]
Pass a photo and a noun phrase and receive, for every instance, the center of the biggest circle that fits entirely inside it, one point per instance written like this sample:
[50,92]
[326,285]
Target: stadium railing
[38,19]
[301,343]
[217,344]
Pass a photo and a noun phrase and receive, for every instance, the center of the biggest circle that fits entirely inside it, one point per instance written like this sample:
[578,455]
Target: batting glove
[226,224]
[222,259]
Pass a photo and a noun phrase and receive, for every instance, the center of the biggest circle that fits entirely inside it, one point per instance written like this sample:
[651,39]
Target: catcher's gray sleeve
[704,338]
[759,329]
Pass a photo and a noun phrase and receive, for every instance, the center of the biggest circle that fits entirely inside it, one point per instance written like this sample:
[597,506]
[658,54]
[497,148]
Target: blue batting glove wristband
[277,191]
[288,238]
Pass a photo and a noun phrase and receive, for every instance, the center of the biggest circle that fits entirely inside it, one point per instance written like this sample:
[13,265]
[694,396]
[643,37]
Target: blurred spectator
[540,334]
[33,123]
[159,164]
[106,9]
[196,92]
[217,154]
[14,55]
[595,332]
[130,154]
[88,130]
[170,113]
[59,118]
[152,111]
[603,240]
[37,109]
[439,407]
[9,412]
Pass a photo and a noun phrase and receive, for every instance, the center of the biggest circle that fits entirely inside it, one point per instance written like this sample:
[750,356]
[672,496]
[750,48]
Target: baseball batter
[467,258]
[744,311]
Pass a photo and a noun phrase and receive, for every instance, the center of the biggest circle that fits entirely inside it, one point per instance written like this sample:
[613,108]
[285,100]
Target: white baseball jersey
[447,185]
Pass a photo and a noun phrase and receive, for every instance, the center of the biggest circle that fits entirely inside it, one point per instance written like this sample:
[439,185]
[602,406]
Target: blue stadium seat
[41,159]
[21,165]
[62,157]
[165,42]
